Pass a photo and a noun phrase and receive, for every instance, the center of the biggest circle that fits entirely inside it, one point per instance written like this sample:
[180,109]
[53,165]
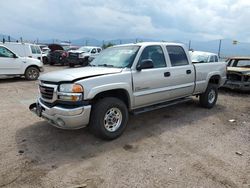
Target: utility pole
[189,45]
[219,48]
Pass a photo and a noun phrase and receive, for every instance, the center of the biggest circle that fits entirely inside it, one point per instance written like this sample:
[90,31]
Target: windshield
[85,49]
[66,47]
[121,57]
[199,58]
[242,63]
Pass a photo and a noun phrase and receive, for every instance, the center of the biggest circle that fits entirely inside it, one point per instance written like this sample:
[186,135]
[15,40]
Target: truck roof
[204,53]
[238,57]
[151,43]
[18,43]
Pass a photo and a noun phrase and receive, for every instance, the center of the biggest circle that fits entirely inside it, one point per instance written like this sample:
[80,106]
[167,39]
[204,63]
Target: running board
[159,106]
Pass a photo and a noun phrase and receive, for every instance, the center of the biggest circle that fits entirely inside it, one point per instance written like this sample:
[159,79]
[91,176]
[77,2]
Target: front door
[150,85]
[9,63]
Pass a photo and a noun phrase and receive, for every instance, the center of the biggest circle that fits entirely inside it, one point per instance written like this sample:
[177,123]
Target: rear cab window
[212,59]
[35,49]
[38,50]
[216,59]
[177,56]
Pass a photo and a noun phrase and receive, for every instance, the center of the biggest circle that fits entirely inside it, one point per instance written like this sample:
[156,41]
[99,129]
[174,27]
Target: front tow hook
[32,107]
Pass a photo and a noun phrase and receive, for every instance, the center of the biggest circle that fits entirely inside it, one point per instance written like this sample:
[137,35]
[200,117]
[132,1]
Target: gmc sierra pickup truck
[130,78]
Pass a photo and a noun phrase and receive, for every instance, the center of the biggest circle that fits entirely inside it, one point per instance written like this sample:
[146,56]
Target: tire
[31,73]
[71,65]
[84,63]
[45,60]
[209,97]
[111,112]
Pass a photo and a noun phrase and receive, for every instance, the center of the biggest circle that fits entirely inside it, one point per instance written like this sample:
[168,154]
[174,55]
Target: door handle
[167,74]
[188,71]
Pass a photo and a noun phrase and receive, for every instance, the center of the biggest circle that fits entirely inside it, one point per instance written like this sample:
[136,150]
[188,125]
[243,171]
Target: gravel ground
[180,146]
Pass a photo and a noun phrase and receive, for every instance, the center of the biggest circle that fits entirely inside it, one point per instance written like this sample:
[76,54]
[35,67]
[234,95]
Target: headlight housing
[70,92]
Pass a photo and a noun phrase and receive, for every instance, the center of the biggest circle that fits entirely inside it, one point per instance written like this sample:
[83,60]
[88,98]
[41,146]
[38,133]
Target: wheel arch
[35,66]
[215,79]
[120,93]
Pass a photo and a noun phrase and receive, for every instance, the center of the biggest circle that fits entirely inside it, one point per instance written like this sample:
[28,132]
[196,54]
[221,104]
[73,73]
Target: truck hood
[77,73]
[242,70]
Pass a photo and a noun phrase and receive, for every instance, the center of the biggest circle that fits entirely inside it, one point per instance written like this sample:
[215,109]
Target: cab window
[4,52]
[216,59]
[93,51]
[177,56]
[155,53]
[212,59]
[38,50]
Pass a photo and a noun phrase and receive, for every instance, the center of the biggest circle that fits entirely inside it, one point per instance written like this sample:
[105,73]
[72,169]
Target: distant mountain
[227,46]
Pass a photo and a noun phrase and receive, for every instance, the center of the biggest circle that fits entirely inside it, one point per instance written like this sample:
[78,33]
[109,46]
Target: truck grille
[46,92]
[73,55]
[234,77]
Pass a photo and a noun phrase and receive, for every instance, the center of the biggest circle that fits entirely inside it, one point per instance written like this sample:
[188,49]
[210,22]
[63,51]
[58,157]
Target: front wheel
[32,73]
[109,118]
[209,97]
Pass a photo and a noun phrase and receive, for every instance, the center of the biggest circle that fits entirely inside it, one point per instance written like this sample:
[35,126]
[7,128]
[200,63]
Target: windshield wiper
[105,65]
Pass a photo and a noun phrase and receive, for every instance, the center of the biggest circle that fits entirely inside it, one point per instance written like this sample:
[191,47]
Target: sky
[199,20]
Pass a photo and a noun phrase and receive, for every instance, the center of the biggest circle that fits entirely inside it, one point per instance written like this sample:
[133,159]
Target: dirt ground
[180,146]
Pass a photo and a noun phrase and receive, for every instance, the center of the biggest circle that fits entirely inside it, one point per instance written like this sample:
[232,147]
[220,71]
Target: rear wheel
[32,73]
[209,97]
[109,118]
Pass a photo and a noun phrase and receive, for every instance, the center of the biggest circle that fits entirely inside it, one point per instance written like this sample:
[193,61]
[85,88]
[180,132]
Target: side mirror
[15,56]
[145,64]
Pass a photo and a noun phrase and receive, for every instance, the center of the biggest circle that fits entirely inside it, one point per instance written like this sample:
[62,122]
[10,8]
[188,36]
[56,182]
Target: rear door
[182,74]
[8,63]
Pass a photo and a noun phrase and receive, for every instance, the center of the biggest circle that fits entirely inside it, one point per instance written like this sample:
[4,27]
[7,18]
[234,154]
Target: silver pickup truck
[131,78]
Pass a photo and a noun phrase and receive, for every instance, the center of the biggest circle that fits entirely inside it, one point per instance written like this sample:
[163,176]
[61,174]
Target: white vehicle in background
[12,65]
[45,52]
[24,49]
[83,55]
[203,57]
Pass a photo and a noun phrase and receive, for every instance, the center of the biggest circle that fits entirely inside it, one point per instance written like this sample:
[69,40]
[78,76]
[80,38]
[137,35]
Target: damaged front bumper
[64,118]
[237,85]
